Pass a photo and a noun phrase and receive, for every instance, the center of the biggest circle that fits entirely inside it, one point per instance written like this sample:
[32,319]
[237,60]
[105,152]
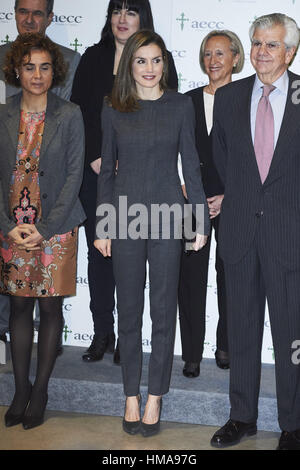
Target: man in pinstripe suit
[259,236]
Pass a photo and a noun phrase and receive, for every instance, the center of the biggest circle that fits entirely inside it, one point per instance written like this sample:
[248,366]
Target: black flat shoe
[222,359]
[132,427]
[232,432]
[30,422]
[11,419]
[289,440]
[117,357]
[148,430]
[100,345]
[191,369]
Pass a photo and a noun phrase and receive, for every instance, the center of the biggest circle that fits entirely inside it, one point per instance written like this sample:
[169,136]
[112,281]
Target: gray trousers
[129,263]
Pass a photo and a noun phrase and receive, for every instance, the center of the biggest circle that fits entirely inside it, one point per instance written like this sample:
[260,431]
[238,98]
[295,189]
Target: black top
[146,143]
[92,82]
[211,181]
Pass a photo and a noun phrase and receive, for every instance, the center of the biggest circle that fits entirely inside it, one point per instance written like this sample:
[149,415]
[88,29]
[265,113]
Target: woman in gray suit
[41,165]
[144,127]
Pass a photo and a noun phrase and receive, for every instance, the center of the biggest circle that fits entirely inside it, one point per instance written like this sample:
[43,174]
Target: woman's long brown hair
[124,96]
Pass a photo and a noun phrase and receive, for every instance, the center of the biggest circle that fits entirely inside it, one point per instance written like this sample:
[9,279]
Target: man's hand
[214,205]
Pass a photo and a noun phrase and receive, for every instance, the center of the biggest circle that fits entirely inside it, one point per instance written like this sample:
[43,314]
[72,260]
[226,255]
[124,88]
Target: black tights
[21,338]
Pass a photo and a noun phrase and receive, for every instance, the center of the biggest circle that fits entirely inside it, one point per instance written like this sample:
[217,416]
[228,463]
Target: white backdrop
[183,24]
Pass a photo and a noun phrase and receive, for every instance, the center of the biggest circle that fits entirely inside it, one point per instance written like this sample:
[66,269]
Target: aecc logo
[6,16]
[201,25]
[70,19]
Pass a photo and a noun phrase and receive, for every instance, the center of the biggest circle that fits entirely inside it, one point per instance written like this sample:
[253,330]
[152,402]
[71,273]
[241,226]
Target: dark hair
[124,96]
[142,7]
[22,47]
[50,6]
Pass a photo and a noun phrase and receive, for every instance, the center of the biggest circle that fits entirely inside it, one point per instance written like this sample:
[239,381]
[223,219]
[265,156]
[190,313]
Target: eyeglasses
[271,46]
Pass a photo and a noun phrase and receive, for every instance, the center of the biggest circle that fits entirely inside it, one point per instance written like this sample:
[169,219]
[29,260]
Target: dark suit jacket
[211,180]
[60,167]
[249,205]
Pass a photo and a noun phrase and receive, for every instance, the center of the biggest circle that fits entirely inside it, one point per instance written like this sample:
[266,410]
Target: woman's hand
[17,234]
[32,241]
[96,165]
[104,246]
[200,242]
[214,205]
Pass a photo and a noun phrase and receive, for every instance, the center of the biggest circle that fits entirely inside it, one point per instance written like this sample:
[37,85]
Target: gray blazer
[71,58]
[60,168]
[146,144]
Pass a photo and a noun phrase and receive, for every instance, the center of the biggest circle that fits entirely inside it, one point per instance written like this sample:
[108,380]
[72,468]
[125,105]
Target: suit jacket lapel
[290,123]
[201,111]
[13,123]
[52,121]
[245,123]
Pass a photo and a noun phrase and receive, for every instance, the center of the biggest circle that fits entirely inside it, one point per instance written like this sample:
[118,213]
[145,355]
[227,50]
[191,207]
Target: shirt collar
[281,84]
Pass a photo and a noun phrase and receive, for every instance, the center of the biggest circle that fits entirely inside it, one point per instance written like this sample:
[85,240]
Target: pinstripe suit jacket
[274,206]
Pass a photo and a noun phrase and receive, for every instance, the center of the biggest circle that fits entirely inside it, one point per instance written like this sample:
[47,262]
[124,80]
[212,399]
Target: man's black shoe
[99,346]
[289,440]
[232,432]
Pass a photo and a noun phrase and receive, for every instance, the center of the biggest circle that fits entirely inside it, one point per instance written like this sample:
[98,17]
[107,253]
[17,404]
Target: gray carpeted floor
[97,388]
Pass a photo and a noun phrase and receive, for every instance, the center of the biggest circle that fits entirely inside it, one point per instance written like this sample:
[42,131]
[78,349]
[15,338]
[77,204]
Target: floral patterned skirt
[48,272]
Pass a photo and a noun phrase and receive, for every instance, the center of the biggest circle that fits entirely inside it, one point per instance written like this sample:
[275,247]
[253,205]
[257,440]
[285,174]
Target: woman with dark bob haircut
[144,126]
[41,167]
[93,80]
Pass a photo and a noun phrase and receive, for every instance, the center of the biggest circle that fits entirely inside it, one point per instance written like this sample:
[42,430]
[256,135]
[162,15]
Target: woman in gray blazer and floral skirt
[41,165]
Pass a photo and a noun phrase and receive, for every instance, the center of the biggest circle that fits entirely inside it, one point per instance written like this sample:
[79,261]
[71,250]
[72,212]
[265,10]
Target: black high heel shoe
[12,419]
[132,427]
[30,421]
[149,430]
